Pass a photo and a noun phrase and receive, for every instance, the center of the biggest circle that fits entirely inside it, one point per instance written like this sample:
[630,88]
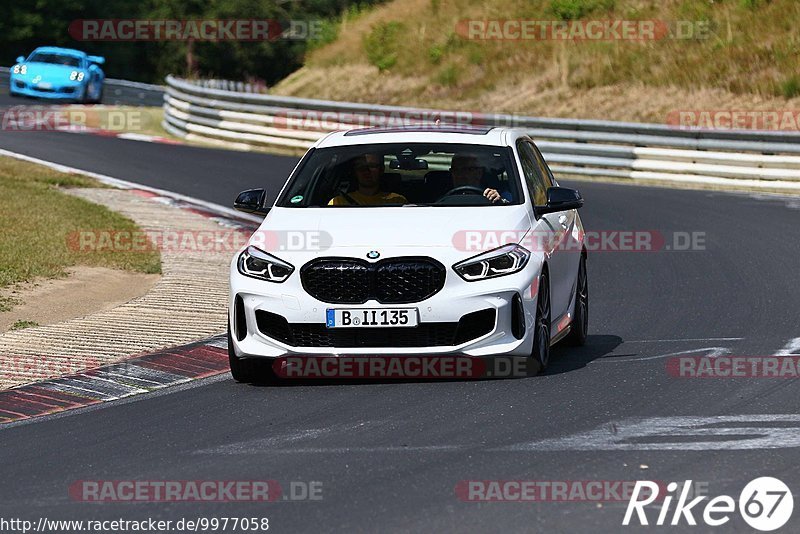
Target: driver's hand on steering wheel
[492,195]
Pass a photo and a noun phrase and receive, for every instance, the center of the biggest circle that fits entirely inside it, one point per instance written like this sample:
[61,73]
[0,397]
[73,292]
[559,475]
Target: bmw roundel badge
[373,254]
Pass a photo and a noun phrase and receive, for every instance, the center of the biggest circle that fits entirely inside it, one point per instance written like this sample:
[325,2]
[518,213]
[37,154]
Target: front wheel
[249,370]
[580,314]
[83,98]
[241,370]
[99,98]
[541,338]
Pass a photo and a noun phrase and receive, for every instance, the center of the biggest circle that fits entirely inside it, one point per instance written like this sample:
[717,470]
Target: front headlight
[76,75]
[502,261]
[256,263]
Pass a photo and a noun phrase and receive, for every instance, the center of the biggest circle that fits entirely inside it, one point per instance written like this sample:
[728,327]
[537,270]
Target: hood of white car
[390,231]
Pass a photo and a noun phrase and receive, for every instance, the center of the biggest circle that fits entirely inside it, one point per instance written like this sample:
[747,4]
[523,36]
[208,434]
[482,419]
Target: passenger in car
[368,170]
[467,170]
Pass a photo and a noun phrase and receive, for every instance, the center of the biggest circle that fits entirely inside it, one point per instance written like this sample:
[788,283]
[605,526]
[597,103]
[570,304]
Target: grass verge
[37,219]
[707,44]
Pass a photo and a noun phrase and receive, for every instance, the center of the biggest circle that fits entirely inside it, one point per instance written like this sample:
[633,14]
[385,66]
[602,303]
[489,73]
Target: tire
[541,339]
[241,370]
[250,370]
[84,99]
[580,313]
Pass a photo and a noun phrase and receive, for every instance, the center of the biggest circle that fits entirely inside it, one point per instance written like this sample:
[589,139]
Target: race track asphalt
[389,455]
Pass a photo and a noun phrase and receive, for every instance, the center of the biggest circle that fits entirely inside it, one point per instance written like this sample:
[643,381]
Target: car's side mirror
[21,59]
[560,199]
[252,201]
[98,60]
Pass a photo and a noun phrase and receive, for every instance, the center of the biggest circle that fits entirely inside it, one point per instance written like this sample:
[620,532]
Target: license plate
[371,317]
[45,85]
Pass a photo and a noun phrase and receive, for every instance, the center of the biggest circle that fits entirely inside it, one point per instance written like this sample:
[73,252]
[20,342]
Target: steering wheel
[463,190]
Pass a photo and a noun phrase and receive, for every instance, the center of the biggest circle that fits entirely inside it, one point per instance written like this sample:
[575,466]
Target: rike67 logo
[765,504]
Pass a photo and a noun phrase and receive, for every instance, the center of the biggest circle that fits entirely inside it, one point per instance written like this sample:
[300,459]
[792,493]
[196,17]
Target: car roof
[59,50]
[492,136]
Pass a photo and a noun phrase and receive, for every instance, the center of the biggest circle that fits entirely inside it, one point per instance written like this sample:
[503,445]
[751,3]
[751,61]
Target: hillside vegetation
[744,54]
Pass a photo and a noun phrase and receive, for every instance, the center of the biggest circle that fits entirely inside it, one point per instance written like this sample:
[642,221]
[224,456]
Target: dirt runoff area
[84,291]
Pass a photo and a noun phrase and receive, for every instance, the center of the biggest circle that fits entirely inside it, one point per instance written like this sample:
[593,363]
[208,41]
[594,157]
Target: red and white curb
[235,222]
[26,401]
[142,374]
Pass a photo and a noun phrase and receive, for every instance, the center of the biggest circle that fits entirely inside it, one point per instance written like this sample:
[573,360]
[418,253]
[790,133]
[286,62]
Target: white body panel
[416,231]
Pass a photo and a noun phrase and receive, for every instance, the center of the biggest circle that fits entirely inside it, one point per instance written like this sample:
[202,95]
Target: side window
[534,179]
[549,181]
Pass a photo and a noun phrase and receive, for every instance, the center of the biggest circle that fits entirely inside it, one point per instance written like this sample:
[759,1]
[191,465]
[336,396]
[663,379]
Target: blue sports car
[58,74]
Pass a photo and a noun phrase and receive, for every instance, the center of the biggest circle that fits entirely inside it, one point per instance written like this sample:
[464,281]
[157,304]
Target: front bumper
[55,92]
[251,298]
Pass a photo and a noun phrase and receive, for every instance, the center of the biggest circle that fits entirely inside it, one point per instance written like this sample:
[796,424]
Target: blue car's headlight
[256,263]
[502,261]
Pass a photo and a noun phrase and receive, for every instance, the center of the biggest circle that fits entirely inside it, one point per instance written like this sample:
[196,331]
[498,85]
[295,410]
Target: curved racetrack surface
[389,455]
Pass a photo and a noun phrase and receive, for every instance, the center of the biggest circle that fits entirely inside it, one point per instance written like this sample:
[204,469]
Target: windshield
[404,174]
[58,59]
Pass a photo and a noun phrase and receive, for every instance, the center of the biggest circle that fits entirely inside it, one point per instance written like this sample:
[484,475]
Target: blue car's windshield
[57,59]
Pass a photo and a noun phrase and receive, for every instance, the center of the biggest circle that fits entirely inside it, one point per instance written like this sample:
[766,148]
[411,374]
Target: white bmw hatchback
[411,241]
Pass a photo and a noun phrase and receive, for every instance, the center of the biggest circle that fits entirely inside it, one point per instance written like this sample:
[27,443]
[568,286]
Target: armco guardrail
[761,159]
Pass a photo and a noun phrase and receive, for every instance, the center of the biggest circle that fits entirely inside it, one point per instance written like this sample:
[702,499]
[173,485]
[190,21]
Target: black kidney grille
[407,281]
[392,281]
[338,281]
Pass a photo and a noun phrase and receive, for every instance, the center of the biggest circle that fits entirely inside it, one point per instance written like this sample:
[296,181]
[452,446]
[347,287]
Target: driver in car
[368,172]
[467,170]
